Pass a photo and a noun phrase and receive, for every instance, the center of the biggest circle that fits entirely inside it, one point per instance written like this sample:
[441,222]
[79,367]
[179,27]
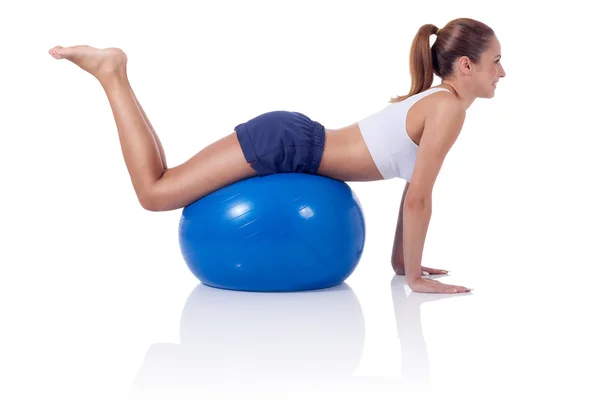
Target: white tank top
[384,132]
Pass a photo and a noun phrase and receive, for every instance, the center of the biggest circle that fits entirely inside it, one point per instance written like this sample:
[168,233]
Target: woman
[390,143]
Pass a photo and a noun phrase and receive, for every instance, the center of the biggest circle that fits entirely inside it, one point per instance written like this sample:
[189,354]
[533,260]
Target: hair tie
[438,31]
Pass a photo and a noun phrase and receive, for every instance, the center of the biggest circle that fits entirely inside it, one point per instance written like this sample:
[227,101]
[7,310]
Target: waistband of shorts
[316,149]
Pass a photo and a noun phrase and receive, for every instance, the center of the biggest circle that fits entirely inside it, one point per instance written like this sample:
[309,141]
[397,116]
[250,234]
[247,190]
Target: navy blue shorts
[282,141]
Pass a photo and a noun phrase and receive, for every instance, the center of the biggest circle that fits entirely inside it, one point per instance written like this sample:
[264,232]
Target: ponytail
[421,63]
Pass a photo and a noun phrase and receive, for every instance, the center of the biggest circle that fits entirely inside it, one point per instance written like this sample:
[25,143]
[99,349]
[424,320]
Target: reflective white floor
[249,345]
[168,337]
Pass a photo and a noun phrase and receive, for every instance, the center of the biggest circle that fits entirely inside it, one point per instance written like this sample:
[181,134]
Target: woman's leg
[156,139]
[157,189]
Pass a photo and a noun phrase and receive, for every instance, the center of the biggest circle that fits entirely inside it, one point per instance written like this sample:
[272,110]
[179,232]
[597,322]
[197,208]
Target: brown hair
[460,37]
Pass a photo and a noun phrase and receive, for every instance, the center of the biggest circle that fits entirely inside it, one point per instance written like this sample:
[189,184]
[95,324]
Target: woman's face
[489,70]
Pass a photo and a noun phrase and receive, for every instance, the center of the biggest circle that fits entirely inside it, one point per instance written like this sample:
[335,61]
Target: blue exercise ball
[276,233]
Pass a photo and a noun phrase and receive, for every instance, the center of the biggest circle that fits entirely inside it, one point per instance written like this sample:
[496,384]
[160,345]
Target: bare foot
[98,62]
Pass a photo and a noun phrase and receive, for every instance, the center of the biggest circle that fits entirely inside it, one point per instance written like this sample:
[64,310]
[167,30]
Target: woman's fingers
[433,271]
[453,288]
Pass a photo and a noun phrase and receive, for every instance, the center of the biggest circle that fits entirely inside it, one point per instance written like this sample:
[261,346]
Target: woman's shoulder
[445,101]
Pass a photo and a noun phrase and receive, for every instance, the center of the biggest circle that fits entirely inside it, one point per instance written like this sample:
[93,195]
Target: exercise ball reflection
[276,233]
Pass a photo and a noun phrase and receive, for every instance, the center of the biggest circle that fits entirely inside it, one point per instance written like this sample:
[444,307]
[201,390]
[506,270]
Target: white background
[92,287]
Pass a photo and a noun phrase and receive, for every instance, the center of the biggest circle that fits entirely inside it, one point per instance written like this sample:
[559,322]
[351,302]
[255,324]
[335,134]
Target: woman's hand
[429,285]
[399,270]
[426,285]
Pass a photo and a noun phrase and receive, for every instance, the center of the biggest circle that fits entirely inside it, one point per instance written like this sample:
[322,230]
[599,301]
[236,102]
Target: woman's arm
[416,217]
[398,248]
[442,127]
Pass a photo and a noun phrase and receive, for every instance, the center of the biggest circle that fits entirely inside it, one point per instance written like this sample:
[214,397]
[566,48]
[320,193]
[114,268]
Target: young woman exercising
[408,139]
